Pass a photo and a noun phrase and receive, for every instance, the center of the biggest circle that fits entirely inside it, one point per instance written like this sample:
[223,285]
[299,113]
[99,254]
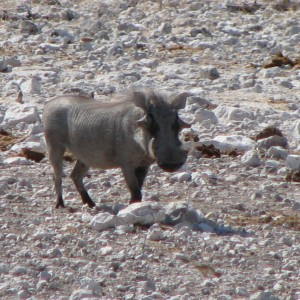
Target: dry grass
[180,48]
[278,219]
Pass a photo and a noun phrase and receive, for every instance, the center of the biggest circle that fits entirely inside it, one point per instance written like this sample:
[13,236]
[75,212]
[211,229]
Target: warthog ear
[179,101]
[140,100]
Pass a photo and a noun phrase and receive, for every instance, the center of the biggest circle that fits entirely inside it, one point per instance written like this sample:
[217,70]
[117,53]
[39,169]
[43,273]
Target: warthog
[131,132]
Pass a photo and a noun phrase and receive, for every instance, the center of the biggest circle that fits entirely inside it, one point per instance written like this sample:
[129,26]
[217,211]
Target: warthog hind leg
[135,179]
[56,159]
[77,175]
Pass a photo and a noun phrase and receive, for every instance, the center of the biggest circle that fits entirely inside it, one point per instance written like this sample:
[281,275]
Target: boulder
[178,212]
[144,213]
[277,152]
[271,141]
[17,113]
[230,142]
[104,221]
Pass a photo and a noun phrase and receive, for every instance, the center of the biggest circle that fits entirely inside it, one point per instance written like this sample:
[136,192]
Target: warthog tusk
[150,148]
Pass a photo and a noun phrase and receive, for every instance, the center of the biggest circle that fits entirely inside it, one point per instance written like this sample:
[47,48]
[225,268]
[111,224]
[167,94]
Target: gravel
[225,226]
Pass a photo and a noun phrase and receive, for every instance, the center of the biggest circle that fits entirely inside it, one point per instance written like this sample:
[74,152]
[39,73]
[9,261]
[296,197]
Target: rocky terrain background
[227,225]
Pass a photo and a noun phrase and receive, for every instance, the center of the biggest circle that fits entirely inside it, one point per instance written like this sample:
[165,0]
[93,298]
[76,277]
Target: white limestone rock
[230,142]
[277,152]
[251,158]
[293,162]
[13,61]
[17,161]
[91,284]
[264,296]
[82,294]
[233,113]
[295,130]
[271,141]
[178,212]
[34,142]
[17,113]
[209,72]
[182,177]
[155,233]
[4,268]
[204,115]
[28,27]
[104,221]
[32,86]
[144,213]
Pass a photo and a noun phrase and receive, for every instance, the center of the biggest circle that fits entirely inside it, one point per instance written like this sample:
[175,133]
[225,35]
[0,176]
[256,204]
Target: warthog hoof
[134,201]
[59,203]
[91,204]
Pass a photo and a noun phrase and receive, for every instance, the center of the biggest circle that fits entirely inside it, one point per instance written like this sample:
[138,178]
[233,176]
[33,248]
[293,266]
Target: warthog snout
[169,159]
[170,167]
[170,164]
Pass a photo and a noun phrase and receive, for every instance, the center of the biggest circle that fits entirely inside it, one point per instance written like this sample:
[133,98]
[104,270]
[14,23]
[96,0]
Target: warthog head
[161,126]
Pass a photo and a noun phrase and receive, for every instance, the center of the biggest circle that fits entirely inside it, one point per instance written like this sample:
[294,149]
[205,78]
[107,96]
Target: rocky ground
[226,226]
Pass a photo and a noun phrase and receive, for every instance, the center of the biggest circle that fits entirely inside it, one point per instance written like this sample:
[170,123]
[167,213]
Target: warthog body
[130,132]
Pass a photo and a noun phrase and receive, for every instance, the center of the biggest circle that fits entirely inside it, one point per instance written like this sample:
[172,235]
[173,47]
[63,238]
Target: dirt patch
[293,176]
[280,60]
[209,151]
[7,139]
[249,8]
[32,155]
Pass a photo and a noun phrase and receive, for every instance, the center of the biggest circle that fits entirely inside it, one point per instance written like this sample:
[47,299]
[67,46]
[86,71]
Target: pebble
[4,268]
[182,177]
[104,221]
[264,296]
[155,233]
[277,152]
[203,115]
[209,72]
[293,162]
[19,270]
[106,250]
[82,294]
[271,141]
[251,158]
[32,86]
[4,65]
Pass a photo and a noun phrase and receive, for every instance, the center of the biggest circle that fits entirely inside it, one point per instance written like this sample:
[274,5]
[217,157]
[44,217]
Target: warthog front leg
[134,178]
[77,175]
